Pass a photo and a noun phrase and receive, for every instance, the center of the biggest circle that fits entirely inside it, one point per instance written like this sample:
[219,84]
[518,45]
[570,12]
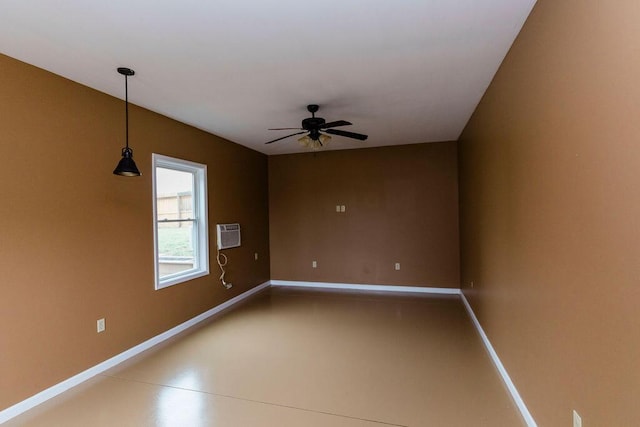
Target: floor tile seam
[383,423]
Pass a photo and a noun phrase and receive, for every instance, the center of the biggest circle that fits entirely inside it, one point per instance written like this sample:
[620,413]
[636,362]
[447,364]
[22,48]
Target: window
[180,215]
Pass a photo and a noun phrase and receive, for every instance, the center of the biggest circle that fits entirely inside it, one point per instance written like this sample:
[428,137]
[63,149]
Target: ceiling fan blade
[353,135]
[285,129]
[278,139]
[335,124]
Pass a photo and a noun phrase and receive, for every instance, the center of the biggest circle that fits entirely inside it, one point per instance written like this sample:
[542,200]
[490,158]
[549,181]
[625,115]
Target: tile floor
[304,358]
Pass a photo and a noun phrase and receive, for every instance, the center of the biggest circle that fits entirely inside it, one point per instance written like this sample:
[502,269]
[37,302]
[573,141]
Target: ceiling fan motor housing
[312,123]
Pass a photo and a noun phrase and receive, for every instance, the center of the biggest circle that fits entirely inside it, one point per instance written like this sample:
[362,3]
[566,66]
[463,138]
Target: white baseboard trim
[361,287]
[31,402]
[501,369]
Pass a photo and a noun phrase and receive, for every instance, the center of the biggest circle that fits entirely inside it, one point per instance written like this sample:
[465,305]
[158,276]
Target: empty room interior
[450,238]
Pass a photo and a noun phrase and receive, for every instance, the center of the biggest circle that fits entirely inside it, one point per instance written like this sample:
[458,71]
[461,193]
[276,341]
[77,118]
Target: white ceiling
[404,71]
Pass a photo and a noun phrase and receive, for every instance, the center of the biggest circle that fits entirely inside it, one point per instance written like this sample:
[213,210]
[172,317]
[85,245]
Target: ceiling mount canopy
[126,166]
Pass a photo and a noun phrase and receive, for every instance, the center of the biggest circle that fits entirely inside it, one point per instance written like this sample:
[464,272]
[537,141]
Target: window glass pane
[176,243]
[174,193]
[175,247]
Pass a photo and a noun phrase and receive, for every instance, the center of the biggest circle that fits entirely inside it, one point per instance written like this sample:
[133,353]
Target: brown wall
[550,212]
[401,206]
[77,241]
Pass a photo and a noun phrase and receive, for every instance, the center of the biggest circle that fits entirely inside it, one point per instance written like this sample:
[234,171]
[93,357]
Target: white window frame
[200,223]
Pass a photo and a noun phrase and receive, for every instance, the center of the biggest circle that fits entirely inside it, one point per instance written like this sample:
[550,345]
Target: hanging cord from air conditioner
[222,264]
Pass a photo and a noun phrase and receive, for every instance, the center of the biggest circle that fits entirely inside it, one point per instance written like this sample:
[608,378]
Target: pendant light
[126,166]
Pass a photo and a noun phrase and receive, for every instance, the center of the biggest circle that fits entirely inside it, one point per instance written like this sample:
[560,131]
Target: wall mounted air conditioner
[228,235]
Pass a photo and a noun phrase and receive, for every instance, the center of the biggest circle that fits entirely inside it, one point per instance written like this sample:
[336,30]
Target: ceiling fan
[312,127]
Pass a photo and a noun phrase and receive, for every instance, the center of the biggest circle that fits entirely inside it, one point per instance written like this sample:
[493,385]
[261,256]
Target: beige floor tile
[299,357]
[109,402]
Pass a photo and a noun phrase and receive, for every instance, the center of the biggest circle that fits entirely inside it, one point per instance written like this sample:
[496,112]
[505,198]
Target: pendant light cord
[126,111]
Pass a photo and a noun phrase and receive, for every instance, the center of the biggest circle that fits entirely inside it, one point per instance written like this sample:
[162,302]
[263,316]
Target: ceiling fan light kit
[313,126]
[315,144]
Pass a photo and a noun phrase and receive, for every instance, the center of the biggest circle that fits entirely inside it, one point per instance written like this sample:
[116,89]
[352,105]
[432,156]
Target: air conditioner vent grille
[228,235]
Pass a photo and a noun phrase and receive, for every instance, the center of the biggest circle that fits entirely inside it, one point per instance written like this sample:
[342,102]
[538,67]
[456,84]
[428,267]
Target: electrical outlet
[100,325]
[314,264]
[343,208]
[397,266]
[577,420]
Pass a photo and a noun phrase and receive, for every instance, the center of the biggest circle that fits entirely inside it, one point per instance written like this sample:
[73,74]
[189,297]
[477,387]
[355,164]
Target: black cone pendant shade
[126,166]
